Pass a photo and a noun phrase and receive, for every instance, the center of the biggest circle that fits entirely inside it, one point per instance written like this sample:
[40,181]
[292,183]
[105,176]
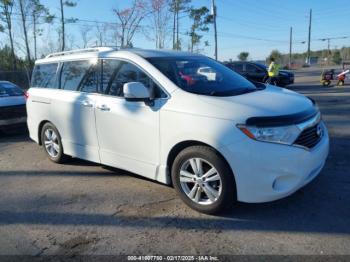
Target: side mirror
[136,91]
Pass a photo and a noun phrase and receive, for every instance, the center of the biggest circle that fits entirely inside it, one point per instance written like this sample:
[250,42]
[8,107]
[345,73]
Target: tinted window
[44,76]
[73,74]
[252,69]
[186,73]
[9,89]
[238,67]
[117,73]
[91,80]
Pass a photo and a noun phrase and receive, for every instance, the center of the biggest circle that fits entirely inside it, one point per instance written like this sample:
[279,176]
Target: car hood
[270,102]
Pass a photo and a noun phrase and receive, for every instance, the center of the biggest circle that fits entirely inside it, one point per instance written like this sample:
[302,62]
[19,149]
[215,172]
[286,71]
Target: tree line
[336,56]
[23,24]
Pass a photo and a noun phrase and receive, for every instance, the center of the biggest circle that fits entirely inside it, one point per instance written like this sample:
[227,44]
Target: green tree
[6,9]
[177,7]
[243,56]
[6,60]
[200,20]
[277,55]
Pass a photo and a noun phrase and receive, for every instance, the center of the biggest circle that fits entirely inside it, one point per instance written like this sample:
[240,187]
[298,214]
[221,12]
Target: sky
[255,26]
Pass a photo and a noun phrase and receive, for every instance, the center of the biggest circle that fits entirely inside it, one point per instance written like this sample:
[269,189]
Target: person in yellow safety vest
[273,72]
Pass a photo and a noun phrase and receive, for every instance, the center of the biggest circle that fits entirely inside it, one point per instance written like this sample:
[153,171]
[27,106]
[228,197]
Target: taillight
[26,95]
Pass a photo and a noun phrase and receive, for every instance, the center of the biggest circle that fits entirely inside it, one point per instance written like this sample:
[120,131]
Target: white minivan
[216,138]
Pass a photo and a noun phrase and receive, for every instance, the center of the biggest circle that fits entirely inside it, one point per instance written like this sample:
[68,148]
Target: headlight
[282,134]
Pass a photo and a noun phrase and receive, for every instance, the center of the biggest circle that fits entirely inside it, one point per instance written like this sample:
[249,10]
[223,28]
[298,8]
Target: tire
[52,145]
[221,181]
[326,83]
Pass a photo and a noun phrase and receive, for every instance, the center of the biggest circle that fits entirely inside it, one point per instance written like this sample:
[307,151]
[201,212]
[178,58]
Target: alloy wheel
[51,142]
[200,181]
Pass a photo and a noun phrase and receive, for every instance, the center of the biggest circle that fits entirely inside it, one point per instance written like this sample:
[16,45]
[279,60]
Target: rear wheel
[203,179]
[340,83]
[51,141]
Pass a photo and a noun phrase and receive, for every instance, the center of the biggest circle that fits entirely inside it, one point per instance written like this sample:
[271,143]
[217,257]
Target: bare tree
[24,7]
[130,19]
[101,30]
[114,34]
[6,9]
[85,35]
[161,20]
[64,21]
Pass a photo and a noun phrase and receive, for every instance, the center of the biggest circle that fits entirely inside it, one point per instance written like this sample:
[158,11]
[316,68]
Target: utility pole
[329,50]
[215,29]
[63,29]
[309,39]
[290,46]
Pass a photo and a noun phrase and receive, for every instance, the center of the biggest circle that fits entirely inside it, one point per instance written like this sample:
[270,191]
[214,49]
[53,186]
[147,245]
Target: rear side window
[238,67]
[9,89]
[252,69]
[44,76]
[73,73]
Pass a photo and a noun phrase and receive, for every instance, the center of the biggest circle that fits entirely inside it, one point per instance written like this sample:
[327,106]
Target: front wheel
[52,144]
[326,83]
[203,179]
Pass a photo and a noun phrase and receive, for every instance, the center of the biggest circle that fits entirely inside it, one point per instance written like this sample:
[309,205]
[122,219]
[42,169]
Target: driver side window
[116,73]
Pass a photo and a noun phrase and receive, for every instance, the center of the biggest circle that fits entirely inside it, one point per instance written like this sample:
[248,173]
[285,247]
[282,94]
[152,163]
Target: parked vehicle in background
[258,72]
[12,106]
[209,73]
[154,113]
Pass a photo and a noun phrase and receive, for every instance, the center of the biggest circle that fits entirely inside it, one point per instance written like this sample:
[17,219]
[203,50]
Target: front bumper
[266,171]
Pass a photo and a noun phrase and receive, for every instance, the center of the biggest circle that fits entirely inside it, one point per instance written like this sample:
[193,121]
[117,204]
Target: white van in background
[162,115]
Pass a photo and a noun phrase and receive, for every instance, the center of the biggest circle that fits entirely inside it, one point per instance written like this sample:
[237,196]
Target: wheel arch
[176,149]
[40,128]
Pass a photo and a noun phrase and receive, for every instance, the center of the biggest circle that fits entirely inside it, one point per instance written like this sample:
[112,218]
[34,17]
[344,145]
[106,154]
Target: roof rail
[81,51]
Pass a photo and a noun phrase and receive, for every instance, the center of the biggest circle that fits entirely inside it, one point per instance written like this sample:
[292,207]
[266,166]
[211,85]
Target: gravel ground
[81,208]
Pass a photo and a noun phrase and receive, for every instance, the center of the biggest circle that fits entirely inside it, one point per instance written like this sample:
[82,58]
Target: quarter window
[44,76]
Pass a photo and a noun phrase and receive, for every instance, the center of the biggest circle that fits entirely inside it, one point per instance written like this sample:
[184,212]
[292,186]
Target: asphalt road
[82,208]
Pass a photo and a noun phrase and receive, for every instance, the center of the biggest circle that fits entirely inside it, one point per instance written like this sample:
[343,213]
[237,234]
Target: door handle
[86,104]
[104,108]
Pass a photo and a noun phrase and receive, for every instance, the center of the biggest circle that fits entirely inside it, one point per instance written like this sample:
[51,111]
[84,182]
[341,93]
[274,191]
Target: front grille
[310,136]
[9,112]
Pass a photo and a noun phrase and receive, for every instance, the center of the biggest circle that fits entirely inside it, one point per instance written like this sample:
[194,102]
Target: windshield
[8,89]
[202,75]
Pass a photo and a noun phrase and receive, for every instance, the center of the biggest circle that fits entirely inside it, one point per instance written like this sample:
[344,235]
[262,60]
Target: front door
[128,132]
